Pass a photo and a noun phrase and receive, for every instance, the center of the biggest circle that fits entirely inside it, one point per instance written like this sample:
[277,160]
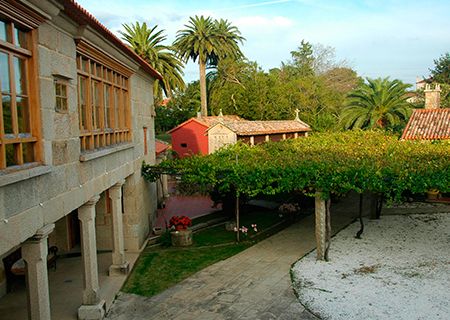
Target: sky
[377,38]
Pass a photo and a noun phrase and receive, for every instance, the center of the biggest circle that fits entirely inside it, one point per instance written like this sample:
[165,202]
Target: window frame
[103,122]
[21,140]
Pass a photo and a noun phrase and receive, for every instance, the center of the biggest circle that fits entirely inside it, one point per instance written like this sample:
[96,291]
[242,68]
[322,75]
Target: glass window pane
[20,37]
[4,72]
[2,31]
[58,88]
[20,76]
[82,101]
[7,118]
[28,152]
[107,106]
[11,159]
[63,90]
[116,108]
[96,104]
[23,114]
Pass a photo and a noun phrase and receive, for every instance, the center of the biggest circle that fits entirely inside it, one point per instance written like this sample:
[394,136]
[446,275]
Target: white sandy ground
[399,270]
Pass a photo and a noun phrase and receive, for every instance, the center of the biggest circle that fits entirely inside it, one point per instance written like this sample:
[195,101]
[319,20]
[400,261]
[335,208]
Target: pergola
[319,166]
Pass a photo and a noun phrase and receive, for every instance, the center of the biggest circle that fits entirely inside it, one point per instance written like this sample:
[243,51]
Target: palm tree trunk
[202,66]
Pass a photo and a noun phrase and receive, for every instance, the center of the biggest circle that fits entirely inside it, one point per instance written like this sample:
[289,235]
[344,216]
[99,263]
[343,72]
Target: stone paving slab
[254,284]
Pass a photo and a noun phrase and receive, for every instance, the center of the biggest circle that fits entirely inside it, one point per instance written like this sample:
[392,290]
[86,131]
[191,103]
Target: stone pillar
[296,135]
[165,186]
[252,140]
[92,307]
[284,136]
[119,264]
[320,213]
[34,253]
[267,138]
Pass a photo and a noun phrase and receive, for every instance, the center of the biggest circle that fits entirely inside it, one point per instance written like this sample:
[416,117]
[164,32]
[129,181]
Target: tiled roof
[209,121]
[83,17]
[428,124]
[161,146]
[248,128]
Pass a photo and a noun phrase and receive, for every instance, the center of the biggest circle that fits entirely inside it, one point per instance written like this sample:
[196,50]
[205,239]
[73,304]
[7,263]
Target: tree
[183,105]
[441,71]
[379,103]
[147,43]
[208,41]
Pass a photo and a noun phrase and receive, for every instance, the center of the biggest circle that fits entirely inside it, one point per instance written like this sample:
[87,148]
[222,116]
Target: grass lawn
[159,268]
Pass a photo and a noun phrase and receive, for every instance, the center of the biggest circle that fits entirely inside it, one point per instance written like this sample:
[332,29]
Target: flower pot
[432,194]
[181,238]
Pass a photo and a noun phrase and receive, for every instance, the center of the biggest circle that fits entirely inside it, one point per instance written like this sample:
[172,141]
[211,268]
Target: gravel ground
[399,270]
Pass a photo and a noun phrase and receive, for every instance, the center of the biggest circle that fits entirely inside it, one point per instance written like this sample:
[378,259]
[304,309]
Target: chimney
[432,97]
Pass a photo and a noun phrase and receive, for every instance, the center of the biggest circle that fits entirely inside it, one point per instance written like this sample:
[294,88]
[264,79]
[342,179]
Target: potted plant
[433,194]
[182,235]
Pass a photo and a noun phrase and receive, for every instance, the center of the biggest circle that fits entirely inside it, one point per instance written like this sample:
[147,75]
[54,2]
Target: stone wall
[219,136]
[34,197]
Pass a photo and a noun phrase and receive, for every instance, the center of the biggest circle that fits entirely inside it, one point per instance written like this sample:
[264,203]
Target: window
[183,145]
[18,108]
[103,104]
[145,141]
[61,96]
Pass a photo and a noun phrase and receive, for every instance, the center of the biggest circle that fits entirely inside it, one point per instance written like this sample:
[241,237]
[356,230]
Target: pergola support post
[323,226]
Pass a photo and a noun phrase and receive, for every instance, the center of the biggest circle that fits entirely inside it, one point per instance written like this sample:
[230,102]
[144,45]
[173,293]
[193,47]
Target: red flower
[180,222]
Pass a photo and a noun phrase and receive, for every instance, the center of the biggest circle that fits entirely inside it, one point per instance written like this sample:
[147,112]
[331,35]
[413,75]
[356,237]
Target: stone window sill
[95,154]
[21,173]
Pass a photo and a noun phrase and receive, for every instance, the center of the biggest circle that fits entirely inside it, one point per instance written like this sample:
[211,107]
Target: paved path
[254,284]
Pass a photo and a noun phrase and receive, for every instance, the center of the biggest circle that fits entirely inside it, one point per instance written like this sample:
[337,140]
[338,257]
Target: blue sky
[396,38]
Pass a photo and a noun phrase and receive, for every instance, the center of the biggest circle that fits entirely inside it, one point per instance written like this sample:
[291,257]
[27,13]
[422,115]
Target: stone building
[204,135]
[254,132]
[76,122]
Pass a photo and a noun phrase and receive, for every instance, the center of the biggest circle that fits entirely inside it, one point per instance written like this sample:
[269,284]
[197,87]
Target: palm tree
[376,104]
[208,41]
[147,43]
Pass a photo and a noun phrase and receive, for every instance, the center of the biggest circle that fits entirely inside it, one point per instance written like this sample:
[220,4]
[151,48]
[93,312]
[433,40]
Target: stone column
[320,212]
[252,140]
[119,264]
[165,186]
[92,307]
[34,252]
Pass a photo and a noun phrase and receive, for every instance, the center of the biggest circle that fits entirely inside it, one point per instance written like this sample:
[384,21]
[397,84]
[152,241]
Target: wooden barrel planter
[181,238]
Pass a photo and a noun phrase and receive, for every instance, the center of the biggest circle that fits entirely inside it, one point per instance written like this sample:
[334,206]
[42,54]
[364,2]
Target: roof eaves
[82,16]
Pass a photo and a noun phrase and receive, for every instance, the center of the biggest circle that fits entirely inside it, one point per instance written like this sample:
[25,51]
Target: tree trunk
[204,107]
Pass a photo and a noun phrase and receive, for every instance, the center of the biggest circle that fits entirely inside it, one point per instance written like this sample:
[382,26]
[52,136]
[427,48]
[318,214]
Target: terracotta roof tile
[208,121]
[428,124]
[246,128]
[161,146]
[211,120]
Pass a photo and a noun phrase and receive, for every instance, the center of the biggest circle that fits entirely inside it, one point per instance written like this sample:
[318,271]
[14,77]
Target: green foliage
[441,70]
[148,43]
[331,162]
[209,41]
[183,105]
[379,103]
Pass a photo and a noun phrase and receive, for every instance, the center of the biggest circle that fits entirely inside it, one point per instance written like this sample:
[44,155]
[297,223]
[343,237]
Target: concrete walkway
[254,284]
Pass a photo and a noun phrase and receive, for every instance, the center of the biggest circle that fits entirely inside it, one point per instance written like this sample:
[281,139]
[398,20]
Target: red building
[190,136]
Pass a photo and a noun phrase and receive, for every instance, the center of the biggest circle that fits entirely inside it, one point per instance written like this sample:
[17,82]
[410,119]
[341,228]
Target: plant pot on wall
[181,238]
